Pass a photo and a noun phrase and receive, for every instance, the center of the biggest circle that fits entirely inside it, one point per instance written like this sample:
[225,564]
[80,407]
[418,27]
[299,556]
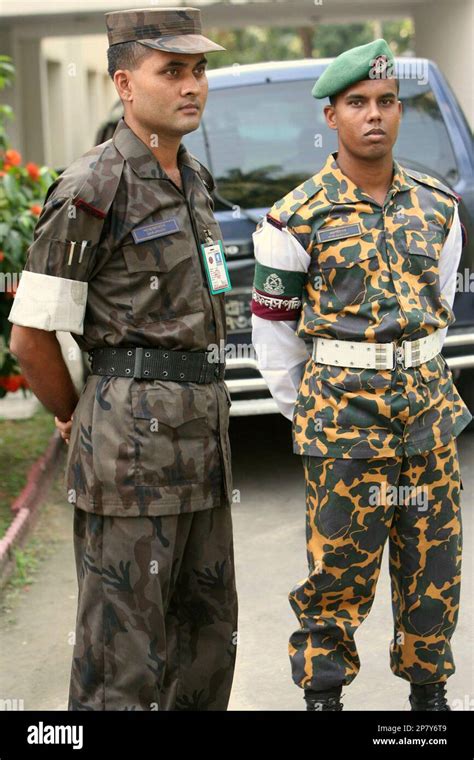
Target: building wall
[61,94]
[444,33]
[79,94]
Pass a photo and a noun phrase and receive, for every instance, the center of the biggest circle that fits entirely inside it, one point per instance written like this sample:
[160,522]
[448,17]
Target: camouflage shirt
[352,269]
[116,262]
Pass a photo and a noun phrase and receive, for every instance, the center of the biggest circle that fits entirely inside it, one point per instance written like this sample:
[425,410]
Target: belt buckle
[398,354]
[137,369]
[205,369]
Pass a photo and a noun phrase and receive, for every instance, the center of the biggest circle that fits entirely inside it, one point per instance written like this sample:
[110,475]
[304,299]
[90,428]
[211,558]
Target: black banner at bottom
[121,734]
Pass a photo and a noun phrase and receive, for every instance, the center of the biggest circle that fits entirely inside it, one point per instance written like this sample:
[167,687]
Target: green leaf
[11,186]
[7,111]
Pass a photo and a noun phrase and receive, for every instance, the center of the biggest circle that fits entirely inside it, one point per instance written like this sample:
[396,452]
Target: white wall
[444,33]
[60,95]
[79,93]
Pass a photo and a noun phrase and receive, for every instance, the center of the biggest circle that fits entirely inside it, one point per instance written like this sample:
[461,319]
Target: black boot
[429,697]
[324,701]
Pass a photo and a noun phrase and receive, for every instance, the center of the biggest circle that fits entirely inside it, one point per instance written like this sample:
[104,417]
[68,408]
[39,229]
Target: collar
[340,189]
[140,157]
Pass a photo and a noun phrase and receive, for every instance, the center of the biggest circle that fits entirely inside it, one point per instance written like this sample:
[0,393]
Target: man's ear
[330,116]
[123,84]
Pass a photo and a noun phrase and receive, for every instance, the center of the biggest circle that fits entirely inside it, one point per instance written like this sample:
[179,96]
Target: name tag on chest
[338,233]
[155,230]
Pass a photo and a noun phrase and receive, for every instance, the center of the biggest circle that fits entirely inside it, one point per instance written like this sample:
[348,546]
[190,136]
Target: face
[367,117]
[166,93]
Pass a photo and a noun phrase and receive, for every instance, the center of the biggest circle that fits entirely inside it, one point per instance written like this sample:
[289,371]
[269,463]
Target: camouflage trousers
[157,612]
[352,507]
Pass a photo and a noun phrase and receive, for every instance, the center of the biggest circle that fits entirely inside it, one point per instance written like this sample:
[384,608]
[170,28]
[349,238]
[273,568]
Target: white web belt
[346,353]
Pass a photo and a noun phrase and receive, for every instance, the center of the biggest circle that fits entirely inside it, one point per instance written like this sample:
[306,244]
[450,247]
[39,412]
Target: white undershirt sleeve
[448,264]
[281,354]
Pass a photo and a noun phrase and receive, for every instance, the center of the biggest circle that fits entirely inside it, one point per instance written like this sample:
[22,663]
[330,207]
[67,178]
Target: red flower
[33,171]
[12,383]
[10,293]
[35,209]
[13,157]
[2,255]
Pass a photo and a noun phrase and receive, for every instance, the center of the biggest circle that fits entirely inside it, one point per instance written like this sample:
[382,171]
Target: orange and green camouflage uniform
[372,277]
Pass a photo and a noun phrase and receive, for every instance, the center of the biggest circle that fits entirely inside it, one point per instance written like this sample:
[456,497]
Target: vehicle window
[262,140]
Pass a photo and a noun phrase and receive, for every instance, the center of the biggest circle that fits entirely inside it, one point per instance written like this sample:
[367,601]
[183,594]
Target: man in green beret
[120,260]
[358,265]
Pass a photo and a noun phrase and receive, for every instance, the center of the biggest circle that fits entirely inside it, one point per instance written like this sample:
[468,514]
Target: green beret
[372,61]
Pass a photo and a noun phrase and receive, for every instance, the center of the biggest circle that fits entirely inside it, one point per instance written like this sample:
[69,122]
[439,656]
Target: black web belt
[156,364]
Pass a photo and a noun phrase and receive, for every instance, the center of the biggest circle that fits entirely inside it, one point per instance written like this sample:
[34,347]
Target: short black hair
[126,55]
[332,98]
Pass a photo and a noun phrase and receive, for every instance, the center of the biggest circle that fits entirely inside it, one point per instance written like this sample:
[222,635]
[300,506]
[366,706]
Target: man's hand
[64,428]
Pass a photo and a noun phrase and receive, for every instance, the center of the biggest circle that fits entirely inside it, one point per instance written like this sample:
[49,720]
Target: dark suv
[262,134]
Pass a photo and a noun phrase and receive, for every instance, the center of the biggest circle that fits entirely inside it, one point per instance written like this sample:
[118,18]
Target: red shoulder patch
[275,222]
[90,209]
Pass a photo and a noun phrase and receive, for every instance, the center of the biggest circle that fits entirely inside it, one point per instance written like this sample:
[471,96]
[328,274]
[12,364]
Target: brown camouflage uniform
[148,465]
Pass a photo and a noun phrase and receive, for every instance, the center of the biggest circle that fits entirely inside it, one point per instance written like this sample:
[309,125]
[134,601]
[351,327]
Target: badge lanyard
[215,265]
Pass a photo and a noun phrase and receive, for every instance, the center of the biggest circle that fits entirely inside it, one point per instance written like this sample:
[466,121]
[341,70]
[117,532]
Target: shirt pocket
[424,243]
[164,280]
[349,269]
[337,397]
[171,432]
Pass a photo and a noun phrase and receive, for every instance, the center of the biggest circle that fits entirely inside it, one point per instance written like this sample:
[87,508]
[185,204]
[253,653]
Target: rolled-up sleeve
[52,292]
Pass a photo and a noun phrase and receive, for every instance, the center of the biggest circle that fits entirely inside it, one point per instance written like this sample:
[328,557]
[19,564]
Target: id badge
[216,266]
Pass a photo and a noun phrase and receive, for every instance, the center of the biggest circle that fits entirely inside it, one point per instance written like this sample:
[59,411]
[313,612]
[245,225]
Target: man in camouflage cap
[360,263]
[119,260]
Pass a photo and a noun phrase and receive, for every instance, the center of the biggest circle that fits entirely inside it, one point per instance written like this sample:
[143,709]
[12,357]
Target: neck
[368,174]
[164,147]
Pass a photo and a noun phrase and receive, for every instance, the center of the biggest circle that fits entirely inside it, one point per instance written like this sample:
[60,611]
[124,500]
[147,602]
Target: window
[263,140]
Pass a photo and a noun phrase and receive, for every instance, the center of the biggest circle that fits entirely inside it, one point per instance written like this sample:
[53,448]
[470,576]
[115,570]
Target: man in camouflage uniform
[360,261]
[117,261]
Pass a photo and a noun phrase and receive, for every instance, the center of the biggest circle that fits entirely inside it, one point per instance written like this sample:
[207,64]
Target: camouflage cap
[372,61]
[174,30]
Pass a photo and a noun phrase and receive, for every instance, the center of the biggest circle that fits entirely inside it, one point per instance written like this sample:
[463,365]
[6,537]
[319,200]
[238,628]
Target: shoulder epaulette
[283,210]
[206,176]
[203,172]
[99,178]
[435,184]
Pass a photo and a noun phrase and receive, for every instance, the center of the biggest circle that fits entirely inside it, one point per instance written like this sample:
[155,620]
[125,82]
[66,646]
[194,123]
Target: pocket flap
[172,407]
[347,252]
[426,242]
[151,256]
